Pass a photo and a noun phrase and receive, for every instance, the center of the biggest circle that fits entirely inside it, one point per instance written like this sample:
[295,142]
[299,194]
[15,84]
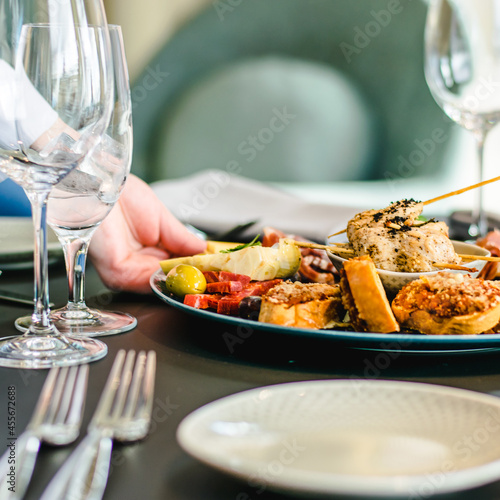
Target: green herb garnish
[253,243]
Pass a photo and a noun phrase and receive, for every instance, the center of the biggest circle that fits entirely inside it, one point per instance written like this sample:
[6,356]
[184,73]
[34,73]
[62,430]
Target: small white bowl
[393,281]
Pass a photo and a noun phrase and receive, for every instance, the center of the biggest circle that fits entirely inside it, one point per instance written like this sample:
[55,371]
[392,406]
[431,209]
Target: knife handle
[85,473]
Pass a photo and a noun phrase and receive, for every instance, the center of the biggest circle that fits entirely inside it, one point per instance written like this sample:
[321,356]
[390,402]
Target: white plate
[362,437]
[16,243]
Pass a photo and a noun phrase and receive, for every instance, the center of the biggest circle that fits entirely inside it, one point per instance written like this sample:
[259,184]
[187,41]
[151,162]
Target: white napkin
[216,200]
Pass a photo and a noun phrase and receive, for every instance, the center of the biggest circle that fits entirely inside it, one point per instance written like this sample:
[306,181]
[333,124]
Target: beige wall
[147,24]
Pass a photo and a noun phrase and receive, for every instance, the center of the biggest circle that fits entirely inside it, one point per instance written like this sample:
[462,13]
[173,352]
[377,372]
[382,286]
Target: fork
[56,420]
[123,413]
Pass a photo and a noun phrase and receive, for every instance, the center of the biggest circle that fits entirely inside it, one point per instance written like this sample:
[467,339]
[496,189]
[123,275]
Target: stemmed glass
[55,104]
[79,203]
[462,69]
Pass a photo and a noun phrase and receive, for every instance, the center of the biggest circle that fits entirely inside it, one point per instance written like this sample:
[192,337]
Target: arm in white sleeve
[21,105]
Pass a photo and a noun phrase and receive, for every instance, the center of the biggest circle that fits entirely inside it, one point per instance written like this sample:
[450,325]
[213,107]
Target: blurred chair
[317,91]
[13,200]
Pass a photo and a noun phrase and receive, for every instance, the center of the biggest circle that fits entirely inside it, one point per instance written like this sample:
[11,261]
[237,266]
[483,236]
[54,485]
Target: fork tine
[123,389]
[140,404]
[148,385]
[64,380]
[137,379]
[66,410]
[78,394]
[44,398]
[109,391]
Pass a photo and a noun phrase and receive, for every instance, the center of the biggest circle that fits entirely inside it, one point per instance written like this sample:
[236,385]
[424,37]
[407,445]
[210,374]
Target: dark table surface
[196,366]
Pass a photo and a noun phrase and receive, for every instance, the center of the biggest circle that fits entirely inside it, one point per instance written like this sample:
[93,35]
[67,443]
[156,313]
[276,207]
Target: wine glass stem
[75,253]
[479,215]
[40,318]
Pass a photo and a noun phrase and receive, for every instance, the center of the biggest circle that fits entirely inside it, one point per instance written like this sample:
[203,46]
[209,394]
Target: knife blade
[19,298]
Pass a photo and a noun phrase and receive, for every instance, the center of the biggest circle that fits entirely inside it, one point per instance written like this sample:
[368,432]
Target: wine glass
[79,203]
[462,68]
[55,104]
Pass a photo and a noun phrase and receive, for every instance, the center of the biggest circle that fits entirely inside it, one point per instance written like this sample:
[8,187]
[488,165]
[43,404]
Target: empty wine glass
[462,69]
[79,203]
[55,103]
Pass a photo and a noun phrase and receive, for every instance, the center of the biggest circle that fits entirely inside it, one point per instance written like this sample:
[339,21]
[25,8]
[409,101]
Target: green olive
[184,279]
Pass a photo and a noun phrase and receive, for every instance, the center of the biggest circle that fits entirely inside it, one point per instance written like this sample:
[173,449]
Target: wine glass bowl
[54,106]
[462,68]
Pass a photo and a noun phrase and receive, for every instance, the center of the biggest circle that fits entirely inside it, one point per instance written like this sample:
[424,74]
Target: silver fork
[56,421]
[123,413]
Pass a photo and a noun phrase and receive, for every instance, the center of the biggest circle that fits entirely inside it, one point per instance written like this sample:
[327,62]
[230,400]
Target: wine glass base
[85,322]
[38,352]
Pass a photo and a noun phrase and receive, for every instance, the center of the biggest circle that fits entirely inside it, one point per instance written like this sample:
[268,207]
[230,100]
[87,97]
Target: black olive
[249,307]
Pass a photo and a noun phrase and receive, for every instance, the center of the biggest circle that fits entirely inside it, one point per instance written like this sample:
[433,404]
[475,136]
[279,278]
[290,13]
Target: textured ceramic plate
[16,243]
[388,342]
[364,437]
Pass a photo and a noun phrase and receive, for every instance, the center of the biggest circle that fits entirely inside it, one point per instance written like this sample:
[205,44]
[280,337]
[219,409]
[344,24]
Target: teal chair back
[291,90]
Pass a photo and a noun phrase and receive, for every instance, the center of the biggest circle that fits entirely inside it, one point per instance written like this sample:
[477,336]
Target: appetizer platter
[441,294]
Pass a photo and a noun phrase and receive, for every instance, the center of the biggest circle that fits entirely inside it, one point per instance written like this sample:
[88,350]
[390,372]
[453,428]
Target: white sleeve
[20,102]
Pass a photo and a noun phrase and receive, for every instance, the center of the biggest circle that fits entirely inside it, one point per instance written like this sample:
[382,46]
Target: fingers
[176,239]
[154,224]
[132,275]
[138,233]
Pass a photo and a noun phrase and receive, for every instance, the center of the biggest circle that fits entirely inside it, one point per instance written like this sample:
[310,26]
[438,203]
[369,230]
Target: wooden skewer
[318,246]
[444,265]
[337,233]
[442,197]
[479,257]
[460,191]
[349,251]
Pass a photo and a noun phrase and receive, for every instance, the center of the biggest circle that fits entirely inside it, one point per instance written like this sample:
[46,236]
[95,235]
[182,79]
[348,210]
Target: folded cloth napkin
[215,201]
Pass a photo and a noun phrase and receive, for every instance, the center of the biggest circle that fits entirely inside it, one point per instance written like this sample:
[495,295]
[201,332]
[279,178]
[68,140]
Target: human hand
[138,233]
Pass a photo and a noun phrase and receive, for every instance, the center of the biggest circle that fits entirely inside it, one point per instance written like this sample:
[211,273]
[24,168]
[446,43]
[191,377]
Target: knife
[20,298]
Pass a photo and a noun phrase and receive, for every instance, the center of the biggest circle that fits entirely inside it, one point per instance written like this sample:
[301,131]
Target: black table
[196,366]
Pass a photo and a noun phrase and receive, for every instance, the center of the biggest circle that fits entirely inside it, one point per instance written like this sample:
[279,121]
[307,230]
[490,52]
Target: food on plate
[448,303]
[397,241]
[247,280]
[249,307]
[260,263]
[218,246]
[302,305]
[226,290]
[364,297]
[184,279]
[315,265]
[492,243]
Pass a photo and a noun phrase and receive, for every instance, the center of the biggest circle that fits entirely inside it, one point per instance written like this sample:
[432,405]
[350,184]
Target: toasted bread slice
[302,305]
[448,304]
[364,297]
